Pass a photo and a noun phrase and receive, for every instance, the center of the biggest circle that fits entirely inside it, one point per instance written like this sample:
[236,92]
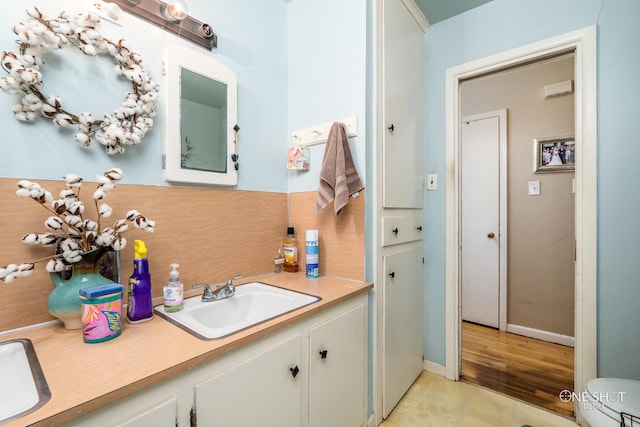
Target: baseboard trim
[434,368]
[541,335]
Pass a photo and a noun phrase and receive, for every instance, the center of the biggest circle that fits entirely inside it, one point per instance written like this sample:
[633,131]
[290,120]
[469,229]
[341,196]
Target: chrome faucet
[221,292]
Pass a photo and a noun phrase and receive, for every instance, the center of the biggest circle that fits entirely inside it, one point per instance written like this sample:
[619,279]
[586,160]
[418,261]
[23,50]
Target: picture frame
[555,154]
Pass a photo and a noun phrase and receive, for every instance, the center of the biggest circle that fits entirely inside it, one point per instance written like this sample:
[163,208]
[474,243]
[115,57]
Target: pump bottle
[139,305]
[173,291]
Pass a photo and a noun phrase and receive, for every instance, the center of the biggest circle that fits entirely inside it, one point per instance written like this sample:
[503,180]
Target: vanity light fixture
[175,10]
[171,16]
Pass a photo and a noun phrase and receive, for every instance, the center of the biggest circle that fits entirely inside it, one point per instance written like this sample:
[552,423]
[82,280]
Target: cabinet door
[259,392]
[403,98]
[403,324]
[337,371]
[163,415]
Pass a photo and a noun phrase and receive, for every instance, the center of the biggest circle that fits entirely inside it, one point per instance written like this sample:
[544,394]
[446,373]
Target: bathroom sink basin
[253,303]
[23,387]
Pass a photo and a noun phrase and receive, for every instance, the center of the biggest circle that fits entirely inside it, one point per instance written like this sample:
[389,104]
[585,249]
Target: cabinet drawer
[401,229]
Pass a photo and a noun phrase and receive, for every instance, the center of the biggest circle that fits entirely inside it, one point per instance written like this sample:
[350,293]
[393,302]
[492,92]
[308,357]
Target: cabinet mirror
[201,112]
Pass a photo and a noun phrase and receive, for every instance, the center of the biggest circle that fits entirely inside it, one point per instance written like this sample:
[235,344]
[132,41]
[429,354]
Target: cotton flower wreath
[127,125]
[69,229]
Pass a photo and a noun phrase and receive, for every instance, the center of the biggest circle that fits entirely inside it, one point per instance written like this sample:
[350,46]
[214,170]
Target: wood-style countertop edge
[85,377]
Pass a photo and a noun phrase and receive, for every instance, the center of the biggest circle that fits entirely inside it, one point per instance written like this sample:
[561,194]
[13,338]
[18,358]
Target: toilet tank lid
[621,395]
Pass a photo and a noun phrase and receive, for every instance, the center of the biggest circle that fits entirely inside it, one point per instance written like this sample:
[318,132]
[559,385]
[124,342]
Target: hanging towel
[339,178]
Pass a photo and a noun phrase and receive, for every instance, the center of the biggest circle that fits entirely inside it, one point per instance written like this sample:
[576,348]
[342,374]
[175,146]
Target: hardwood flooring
[524,368]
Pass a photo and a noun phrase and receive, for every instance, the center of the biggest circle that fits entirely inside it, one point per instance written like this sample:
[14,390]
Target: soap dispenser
[139,304]
[173,291]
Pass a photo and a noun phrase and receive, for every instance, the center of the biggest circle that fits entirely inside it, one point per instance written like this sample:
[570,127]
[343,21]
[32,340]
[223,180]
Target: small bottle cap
[312,235]
[290,230]
[139,249]
[174,275]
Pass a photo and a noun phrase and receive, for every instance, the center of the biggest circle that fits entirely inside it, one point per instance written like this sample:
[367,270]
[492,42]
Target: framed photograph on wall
[557,154]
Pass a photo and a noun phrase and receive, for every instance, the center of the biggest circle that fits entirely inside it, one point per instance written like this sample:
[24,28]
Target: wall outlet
[534,188]
[432,182]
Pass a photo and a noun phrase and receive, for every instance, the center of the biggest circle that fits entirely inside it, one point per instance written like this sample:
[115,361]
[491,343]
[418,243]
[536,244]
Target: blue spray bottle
[139,307]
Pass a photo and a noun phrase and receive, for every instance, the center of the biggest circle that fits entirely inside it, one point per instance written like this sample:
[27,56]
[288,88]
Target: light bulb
[175,10]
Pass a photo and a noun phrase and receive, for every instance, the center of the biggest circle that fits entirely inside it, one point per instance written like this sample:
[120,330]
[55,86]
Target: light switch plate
[534,188]
[432,182]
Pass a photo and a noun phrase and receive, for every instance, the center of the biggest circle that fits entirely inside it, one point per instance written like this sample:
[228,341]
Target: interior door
[480,220]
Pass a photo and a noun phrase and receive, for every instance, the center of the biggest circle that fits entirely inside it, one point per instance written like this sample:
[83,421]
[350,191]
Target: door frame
[502,214]
[584,43]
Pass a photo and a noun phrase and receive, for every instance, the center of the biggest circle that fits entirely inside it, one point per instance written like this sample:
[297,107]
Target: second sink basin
[23,387]
[253,303]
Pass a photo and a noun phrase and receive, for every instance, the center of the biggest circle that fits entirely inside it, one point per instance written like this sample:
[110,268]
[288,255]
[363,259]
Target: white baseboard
[541,335]
[434,368]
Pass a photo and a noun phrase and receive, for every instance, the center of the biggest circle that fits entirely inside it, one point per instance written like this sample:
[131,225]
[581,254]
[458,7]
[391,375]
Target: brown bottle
[290,249]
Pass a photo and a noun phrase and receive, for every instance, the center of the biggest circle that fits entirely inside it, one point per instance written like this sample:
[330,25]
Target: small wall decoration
[298,158]
[557,154]
[127,125]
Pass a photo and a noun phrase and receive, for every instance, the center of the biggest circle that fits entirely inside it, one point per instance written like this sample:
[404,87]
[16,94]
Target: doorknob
[391,128]
[491,235]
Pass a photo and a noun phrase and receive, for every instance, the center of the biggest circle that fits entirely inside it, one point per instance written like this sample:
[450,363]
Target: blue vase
[64,300]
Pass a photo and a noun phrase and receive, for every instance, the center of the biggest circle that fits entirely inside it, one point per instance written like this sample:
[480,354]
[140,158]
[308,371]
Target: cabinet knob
[294,371]
[491,235]
[395,231]
[419,228]
[392,274]
[391,128]
[323,354]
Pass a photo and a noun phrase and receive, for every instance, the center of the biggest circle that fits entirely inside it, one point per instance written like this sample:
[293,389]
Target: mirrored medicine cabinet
[201,112]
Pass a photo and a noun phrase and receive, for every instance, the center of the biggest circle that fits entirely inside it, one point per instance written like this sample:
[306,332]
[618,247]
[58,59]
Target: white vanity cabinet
[279,380]
[337,370]
[264,390]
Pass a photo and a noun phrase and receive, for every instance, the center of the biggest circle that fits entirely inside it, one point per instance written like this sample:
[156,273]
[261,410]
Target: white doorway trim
[502,219]
[583,42]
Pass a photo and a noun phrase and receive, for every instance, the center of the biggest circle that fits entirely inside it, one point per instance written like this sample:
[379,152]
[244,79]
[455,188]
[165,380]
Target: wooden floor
[524,368]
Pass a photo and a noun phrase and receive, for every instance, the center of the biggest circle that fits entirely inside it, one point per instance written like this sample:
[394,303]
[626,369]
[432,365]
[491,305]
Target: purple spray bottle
[139,307]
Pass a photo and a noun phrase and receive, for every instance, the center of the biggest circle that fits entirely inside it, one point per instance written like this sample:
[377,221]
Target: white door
[481,231]
[403,325]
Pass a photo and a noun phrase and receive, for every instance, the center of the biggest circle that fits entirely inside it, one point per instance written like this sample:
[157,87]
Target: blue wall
[252,40]
[327,75]
[505,24]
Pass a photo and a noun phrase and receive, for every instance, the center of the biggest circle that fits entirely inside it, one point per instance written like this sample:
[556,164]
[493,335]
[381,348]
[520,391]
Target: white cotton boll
[23,192]
[90,225]
[26,268]
[51,266]
[99,194]
[11,268]
[3,273]
[121,226]
[132,214]
[151,226]
[62,120]
[47,239]
[119,243]
[74,220]
[30,239]
[9,278]
[89,50]
[72,256]
[73,180]
[24,183]
[82,138]
[76,208]
[86,118]
[102,179]
[68,194]
[105,211]
[53,223]
[69,245]
[8,85]
[114,174]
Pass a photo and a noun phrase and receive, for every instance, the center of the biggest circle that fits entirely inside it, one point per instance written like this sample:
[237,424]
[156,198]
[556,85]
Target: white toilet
[610,401]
